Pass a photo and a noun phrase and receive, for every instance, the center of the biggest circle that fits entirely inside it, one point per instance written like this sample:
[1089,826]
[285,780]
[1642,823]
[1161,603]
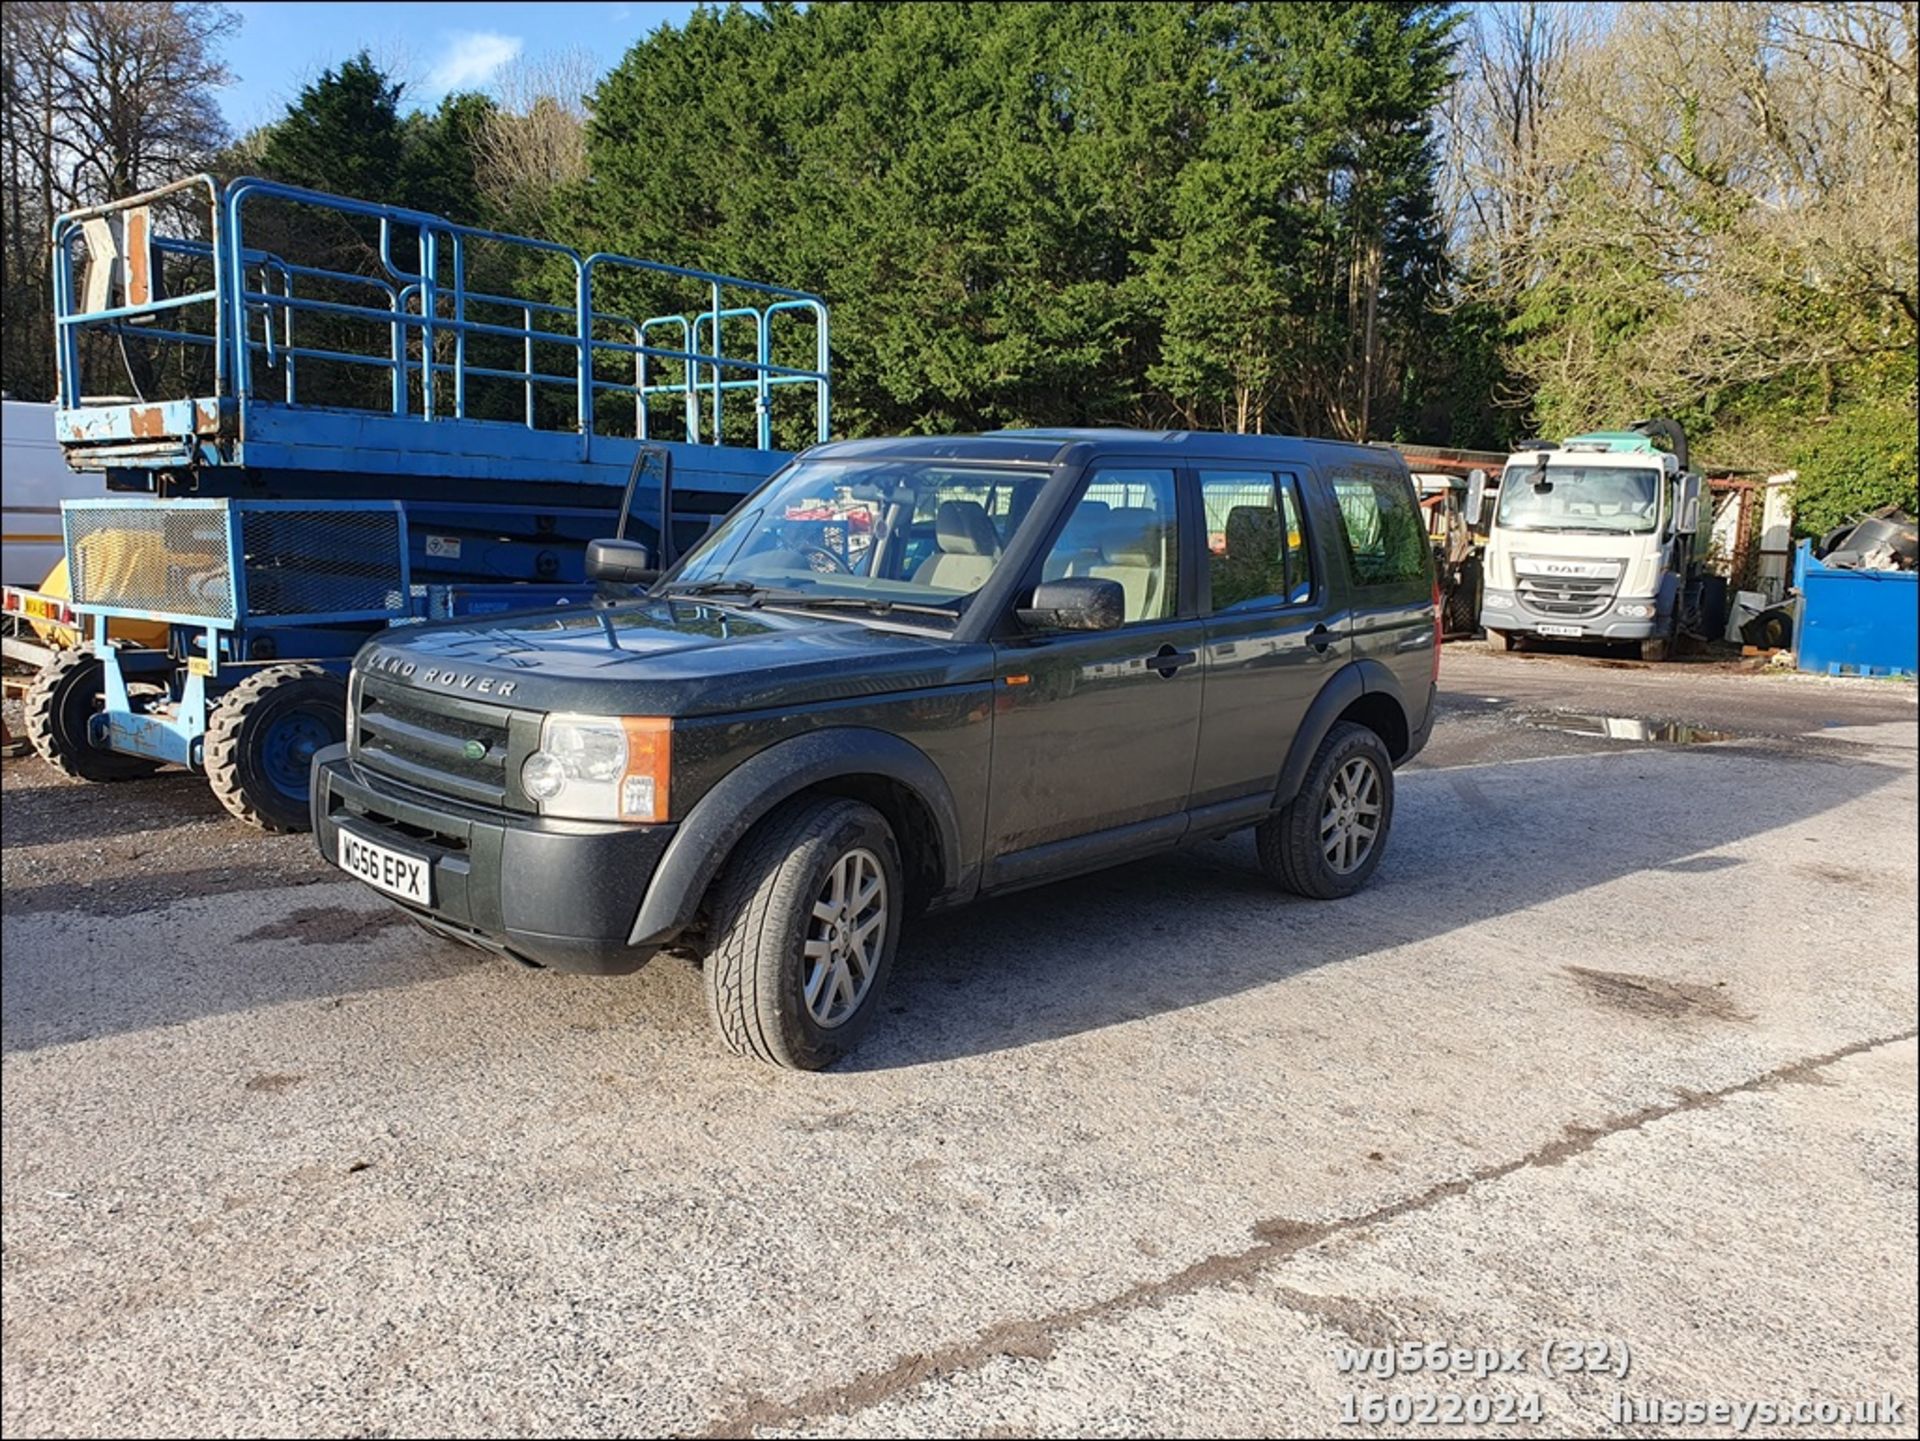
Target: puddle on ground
[1625,728]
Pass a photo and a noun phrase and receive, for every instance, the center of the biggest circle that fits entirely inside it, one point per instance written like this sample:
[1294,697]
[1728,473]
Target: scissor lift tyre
[62,699]
[261,739]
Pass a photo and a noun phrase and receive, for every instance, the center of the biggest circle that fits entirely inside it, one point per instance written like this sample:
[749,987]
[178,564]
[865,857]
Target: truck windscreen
[1604,499]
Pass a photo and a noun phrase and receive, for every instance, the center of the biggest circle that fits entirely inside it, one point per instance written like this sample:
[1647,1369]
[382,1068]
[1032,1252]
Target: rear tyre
[261,739]
[69,692]
[1326,842]
[806,918]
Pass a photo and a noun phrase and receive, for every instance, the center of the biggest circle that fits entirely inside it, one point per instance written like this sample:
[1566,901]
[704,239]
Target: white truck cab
[1594,539]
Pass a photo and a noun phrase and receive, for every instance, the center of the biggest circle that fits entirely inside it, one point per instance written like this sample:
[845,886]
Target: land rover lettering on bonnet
[901,675]
[440,676]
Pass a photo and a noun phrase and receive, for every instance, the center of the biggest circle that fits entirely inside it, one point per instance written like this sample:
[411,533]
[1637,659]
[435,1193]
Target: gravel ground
[1619,1047]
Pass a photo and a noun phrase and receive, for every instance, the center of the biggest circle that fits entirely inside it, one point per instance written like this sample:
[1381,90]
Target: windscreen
[1592,498]
[911,532]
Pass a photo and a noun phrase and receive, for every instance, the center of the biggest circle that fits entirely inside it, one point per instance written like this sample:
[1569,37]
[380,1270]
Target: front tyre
[1327,841]
[806,918]
[261,739]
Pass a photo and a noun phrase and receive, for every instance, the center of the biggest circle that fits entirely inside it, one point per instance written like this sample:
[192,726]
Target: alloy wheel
[844,935]
[1350,820]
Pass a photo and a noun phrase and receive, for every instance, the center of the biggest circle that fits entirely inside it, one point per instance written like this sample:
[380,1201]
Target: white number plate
[408,877]
[1561,630]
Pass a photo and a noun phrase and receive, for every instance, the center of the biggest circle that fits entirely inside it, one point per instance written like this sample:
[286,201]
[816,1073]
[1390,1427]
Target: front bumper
[1501,610]
[561,894]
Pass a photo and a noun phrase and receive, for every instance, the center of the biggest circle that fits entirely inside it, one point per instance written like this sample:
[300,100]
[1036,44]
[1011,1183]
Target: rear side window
[1385,539]
[1256,544]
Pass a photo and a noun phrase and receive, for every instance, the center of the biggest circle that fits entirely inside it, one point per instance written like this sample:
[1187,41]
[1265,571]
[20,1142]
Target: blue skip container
[1855,622]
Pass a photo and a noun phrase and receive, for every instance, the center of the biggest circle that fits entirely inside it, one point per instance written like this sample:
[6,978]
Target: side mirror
[1476,496]
[624,562]
[1078,603]
[1689,504]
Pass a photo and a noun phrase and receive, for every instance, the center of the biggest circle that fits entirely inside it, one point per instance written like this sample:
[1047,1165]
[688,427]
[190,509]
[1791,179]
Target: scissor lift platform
[330,395]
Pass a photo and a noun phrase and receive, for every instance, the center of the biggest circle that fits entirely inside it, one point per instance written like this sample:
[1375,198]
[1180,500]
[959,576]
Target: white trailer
[34,479]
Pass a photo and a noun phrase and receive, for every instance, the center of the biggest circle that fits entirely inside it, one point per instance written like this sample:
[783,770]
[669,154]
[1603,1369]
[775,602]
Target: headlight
[1636,612]
[601,768]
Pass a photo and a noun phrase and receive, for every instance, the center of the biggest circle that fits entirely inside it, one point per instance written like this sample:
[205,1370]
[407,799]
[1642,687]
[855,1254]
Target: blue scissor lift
[347,416]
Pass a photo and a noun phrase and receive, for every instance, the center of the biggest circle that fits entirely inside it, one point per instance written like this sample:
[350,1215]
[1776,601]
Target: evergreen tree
[1052,213]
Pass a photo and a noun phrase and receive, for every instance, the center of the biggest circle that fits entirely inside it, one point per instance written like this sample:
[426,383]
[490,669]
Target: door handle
[1168,660]
[1320,638]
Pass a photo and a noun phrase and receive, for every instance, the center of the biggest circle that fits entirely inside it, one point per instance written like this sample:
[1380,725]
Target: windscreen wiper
[744,591]
[716,587]
[804,600]
[759,595]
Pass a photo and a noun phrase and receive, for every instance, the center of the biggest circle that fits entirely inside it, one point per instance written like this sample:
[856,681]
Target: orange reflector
[643,790]
[1018,679]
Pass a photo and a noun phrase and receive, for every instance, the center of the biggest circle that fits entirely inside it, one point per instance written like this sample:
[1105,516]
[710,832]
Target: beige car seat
[1135,554]
[1251,565]
[1078,549]
[967,546]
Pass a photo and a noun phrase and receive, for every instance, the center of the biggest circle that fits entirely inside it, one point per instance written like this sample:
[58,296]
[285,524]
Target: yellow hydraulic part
[138,632]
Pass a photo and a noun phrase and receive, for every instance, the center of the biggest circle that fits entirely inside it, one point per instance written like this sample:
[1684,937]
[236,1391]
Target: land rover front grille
[1566,597]
[441,743]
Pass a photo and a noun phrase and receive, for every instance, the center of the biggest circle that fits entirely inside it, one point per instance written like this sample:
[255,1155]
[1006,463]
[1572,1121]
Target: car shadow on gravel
[58,812]
[1203,924]
[325,941]
[1161,935]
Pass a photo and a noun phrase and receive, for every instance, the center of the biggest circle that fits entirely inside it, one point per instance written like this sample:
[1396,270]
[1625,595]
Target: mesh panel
[315,562]
[148,557]
[151,557]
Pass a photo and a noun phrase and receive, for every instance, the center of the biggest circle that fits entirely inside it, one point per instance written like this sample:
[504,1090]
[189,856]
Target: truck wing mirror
[1476,496]
[1077,603]
[623,562]
[1690,505]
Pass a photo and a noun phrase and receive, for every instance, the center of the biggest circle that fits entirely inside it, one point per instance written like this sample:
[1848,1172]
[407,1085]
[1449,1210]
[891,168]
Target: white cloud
[471,59]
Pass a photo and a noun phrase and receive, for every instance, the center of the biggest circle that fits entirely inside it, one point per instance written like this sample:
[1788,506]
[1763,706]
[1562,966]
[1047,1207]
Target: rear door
[1272,635]
[1390,571]
[1095,731]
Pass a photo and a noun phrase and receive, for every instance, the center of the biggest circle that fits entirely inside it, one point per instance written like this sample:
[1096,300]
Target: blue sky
[436,47]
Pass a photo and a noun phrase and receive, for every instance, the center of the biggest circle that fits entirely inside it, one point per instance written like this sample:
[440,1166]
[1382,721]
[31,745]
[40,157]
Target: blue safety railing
[245,302]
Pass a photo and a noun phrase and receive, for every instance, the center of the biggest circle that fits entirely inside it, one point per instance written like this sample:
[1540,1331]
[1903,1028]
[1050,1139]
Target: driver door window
[1125,529]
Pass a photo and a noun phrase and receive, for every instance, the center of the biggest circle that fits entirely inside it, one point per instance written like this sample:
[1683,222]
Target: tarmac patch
[1657,998]
[326,926]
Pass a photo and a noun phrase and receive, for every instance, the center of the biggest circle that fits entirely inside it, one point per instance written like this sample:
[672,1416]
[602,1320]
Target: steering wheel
[816,554]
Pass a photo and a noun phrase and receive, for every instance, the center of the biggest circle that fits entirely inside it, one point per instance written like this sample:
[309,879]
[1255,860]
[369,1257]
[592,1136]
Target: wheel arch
[1364,692]
[892,775]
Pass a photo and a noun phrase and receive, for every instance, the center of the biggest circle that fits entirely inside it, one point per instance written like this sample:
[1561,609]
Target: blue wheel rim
[286,751]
